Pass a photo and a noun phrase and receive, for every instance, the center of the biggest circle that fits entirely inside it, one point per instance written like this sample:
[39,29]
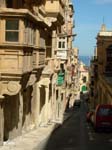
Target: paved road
[77,134]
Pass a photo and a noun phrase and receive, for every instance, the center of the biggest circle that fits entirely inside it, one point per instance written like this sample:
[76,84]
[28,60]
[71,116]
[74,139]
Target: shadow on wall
[13,119]
[11,116]
[27,105]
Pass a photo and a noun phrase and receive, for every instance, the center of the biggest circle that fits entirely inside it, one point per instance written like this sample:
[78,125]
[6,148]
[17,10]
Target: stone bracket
[10,88]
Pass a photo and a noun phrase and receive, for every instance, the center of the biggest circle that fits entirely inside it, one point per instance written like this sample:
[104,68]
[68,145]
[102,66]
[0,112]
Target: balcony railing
[61,54]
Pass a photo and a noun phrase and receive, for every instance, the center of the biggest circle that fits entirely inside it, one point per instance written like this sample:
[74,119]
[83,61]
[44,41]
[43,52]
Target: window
[59,44]
[62,43]
[109,53]
[9,3]
[30,33]
[92,82]
[12,30]
[108,67]
[56,94]
[14,3]
[84,79]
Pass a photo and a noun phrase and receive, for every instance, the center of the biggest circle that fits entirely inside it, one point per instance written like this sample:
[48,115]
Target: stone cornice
[8,12]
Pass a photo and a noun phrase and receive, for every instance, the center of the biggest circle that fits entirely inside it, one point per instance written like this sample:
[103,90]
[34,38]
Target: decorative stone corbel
[45,82]
[47,71]
[50,20]
[31,80]
[11,88]
[1,98]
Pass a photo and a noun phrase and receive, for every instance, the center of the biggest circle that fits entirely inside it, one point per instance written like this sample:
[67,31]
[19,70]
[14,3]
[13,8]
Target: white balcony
[61,54]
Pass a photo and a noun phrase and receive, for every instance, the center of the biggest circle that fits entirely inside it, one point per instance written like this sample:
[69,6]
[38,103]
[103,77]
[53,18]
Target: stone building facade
[93,79]
[102,69]
[84,77]
[34,49]
[75,75]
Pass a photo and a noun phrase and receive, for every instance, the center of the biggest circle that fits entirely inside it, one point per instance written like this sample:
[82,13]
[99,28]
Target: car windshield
[105,112]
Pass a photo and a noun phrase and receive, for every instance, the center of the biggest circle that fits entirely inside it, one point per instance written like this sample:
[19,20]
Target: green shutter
[84,88]
[60,79]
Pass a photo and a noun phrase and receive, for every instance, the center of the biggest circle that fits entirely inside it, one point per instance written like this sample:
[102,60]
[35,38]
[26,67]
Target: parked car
[102,117]
[77,103]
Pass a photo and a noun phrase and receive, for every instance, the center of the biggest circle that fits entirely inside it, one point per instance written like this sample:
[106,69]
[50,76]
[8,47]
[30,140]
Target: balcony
[62,55]
[38,58]
[55,9]
[51,65]
[60,79]
[22,49]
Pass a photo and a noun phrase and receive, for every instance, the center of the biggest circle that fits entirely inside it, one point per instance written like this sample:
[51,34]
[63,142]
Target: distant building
[84,77]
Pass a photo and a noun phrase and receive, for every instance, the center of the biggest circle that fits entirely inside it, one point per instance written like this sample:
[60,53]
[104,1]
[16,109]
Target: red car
[102,117]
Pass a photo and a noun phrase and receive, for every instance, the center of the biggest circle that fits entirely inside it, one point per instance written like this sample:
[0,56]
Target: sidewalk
[30,140]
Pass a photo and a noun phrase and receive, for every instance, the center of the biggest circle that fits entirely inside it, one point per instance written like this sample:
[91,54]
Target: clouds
[103,1]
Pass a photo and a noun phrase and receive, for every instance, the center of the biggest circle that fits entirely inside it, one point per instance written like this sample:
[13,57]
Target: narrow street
[52,54]
[77,134]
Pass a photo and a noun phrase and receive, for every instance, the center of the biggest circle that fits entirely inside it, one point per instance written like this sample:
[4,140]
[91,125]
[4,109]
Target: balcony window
[30,33]
[12,31]
[61,43]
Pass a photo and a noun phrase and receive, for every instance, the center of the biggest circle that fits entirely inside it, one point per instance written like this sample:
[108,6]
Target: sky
[89,16]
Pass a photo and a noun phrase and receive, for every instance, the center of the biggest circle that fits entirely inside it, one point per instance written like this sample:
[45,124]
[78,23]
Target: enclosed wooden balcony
[55,9]
[22,46]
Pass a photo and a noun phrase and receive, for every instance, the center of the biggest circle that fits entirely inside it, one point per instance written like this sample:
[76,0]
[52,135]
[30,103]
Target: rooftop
[104,32]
